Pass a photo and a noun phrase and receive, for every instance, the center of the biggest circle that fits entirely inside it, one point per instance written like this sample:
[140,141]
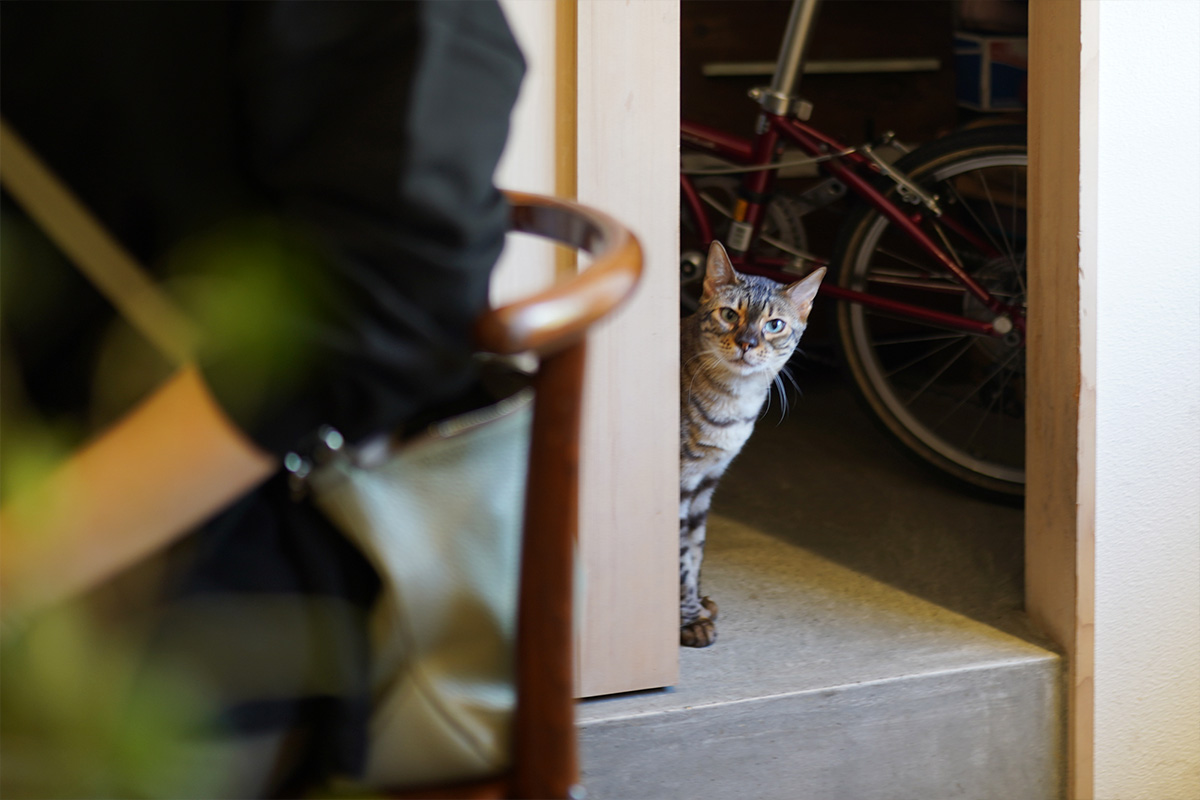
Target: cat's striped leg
[697,614]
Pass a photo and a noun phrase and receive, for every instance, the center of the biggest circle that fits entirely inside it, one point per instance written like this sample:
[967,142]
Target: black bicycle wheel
[955,400]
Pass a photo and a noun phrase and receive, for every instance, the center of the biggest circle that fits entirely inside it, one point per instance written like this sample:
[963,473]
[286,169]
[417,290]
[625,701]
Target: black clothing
[372,127]
[328,168]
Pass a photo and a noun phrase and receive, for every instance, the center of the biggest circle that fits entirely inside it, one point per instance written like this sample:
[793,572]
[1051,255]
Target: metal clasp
[327,442]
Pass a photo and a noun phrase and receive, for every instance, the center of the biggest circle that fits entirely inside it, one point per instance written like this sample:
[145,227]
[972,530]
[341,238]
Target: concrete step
[825,684]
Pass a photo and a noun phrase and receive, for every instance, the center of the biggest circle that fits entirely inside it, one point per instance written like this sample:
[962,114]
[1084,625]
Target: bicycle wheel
[955,400]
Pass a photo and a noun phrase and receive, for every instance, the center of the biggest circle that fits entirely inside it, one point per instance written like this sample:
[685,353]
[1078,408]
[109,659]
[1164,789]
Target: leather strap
[100,257]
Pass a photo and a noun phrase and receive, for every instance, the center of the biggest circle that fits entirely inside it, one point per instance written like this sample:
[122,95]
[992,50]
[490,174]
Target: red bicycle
[929,267]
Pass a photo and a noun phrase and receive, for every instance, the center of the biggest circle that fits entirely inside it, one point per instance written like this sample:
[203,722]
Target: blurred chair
[551,324]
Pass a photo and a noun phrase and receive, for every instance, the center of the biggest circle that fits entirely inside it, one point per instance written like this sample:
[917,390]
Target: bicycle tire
[954,401]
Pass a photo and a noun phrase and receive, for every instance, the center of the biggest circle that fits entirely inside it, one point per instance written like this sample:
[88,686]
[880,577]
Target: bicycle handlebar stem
[780,98]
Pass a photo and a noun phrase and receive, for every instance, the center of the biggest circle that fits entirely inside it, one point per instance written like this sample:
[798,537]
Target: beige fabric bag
[440,520]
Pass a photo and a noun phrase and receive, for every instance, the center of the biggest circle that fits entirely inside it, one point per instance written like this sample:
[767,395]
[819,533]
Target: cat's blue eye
[729,315]
[774,325]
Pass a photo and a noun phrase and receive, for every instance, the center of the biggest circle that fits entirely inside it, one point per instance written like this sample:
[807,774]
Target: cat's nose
[747,341]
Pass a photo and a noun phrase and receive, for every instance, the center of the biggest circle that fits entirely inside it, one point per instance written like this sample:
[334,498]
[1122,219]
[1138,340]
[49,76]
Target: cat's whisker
[787,373]
[777,383]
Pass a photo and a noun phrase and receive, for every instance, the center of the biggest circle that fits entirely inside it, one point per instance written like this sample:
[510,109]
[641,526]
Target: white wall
[528,161]
[1142,183]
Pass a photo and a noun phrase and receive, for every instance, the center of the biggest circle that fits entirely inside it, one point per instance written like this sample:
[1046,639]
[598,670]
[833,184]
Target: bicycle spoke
[927,354]
[1004,245]
[962,201]
[999,417]
[1025,252]
[987,411]
[933,379]
[987,191]
[903,260]
[996,371]
[932,337]
[1009,245]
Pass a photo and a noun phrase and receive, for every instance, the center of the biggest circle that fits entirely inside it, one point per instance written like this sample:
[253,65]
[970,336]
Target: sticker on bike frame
[739,236]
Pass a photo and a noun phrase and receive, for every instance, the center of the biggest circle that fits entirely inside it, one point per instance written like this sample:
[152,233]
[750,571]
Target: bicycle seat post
[780,98]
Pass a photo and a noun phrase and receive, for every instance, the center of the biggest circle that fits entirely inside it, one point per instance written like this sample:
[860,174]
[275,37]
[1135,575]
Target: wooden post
[628,164]
[1060,431]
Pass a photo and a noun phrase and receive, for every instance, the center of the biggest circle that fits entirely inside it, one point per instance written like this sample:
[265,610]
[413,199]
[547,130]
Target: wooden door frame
[1061,423]
[1060,570]
[598,121]
[626,129]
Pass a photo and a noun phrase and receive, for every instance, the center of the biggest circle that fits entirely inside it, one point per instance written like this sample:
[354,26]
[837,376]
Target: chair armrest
[555,318]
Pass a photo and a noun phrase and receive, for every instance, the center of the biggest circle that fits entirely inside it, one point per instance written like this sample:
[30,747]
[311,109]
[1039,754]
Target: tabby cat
[732,350]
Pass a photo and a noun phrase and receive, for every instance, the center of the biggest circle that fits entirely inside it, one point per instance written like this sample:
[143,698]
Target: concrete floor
[794,622]
[870,645]
[826,684]
[827,479]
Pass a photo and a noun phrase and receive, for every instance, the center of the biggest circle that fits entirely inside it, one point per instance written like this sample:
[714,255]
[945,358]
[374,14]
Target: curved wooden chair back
[553,325]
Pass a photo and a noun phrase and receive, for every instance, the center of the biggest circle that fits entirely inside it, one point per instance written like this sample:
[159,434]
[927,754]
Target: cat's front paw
[710,606]
[700,633]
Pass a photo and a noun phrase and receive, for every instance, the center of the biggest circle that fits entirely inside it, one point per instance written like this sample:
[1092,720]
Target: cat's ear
[804,291]
[719,271]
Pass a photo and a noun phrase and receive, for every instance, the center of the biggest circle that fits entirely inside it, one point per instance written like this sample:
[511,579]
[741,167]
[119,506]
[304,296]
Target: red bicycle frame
[845,167]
